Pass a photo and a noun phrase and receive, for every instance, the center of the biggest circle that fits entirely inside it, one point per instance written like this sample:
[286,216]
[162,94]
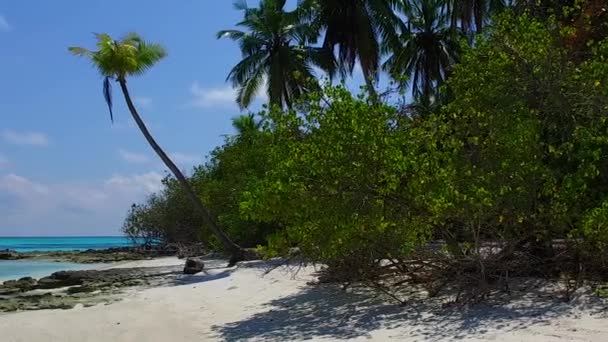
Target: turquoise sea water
[45,244]
[36,269]
[10,269]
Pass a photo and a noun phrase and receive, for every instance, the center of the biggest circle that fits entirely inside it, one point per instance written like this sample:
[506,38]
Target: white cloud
[142,101]
[148,182]
[4,25]
[25,138]
[184,158]
[132,157]
[21,186]
[212,97]
[220,96]
[29,207]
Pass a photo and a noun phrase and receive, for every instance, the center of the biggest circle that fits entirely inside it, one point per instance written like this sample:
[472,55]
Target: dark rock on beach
[68,288]
[86,288]
[111,277]
[23,284]
[7,291]
[9,254]
[193,266]
[54,283]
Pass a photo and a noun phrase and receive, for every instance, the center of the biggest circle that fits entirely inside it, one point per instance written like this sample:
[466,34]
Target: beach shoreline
[249,303]
[88,284]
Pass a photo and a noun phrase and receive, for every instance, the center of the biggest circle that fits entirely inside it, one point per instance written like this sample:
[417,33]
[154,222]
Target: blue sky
[64,169]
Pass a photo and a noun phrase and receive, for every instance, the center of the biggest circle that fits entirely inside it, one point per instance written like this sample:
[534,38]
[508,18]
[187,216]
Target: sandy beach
[245,304]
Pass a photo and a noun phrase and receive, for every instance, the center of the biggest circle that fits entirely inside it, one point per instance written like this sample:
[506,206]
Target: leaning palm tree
[131,56]
[277,52]
[357,28]
[429,48]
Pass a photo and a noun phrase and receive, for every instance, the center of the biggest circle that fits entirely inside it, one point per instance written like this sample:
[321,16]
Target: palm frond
[107,95]
[79,51]
[104,41]
[324,59]
[240,5]
[249,89]
[275,46]
[428,49]
[117,59]
[246,68]
[232,34]
[246,124]
[147,55]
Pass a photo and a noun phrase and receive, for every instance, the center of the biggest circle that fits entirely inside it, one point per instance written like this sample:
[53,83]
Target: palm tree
[276,50]
[132,56]
[357,28]
[429,48]
[246,124]
[472,15]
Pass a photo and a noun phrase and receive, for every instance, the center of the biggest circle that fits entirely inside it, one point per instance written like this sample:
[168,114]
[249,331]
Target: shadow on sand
[216,269]
[327,312]
[330,313]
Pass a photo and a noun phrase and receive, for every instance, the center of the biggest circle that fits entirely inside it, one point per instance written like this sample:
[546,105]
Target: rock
[9,254]
[28,280]
[193,266]
[82,289]
[6,291]
[60,279]
[10,283]
[23,284]
[49,283]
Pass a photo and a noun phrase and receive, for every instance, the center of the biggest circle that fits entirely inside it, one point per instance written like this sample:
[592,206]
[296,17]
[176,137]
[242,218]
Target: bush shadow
[327,312]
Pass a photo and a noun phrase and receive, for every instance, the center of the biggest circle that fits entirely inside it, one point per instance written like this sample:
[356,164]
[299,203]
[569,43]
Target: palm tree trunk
[479,14]
[287,99]
[371,89]
[229,246]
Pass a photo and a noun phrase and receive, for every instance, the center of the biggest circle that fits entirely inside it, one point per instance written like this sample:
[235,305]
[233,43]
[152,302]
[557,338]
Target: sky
[64,168]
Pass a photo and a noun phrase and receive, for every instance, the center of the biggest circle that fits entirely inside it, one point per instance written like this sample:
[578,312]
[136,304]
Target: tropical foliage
[429,48]
[357,29]
[494,170]
[276,54]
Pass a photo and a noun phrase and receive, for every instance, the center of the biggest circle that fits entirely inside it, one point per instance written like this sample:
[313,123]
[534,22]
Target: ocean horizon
[26,244]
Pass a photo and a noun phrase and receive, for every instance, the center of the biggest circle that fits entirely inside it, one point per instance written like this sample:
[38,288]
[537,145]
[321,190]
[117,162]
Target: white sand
[241,305]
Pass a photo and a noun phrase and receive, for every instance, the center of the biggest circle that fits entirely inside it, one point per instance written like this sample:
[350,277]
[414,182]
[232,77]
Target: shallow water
[15,269]
[36,269]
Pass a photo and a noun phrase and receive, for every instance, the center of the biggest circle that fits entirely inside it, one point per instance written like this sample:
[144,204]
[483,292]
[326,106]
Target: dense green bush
[338,177]
[165,217]
[514,156]
[169,217]
[241,161]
